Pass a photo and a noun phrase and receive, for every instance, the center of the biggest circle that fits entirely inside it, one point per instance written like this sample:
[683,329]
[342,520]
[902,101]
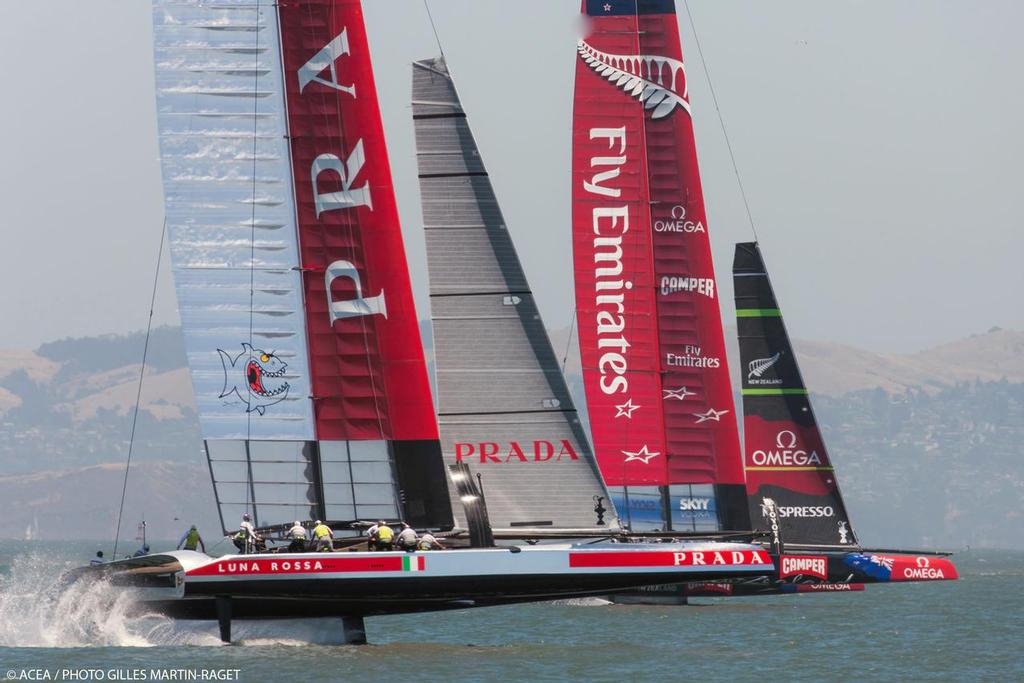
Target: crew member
[322,537]
[192,540]
[428,542]
[98,559]
[385,537]
[371,535]
[406,539]
[298,537]
[144,550]
[246,538]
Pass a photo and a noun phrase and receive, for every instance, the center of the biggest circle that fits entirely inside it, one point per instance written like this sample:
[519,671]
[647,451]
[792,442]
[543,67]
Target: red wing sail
[367,364]
[653,350]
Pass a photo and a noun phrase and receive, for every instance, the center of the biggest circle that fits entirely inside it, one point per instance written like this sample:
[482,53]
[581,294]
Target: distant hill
[835,369]
[927,445]
[82,502]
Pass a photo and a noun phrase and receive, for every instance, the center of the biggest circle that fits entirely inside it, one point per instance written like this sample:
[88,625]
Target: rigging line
[252,255]
[138,392]
[568,341]
[437,38]
[721,121]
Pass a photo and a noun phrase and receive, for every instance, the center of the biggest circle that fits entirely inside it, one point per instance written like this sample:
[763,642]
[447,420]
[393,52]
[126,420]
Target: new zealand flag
[608,8]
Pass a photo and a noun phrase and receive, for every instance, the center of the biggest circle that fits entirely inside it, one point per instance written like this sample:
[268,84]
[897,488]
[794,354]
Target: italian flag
[413,564]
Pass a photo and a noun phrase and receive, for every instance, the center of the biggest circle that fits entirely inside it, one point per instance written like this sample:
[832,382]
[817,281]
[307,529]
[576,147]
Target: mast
[791,483]
[651,339]
[289,266]
[505,412]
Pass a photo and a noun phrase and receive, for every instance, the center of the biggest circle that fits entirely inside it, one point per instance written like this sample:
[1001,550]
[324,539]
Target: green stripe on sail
[405,563]
[774,392]
[758,313]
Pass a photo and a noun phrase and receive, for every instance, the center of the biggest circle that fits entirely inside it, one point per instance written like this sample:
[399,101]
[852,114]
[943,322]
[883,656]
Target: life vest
[385,534]
[322,531]
[192,540]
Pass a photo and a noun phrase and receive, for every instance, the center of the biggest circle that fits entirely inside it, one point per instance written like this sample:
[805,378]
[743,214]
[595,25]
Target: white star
[626,409]
[642,454]
[607,8]
[712,414]
[680,393]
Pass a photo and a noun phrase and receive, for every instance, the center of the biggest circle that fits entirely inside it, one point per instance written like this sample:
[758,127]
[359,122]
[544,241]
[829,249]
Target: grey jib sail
[504,408]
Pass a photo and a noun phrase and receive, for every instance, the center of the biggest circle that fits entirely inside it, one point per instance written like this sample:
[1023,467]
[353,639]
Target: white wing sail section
[234,251]
[230,217]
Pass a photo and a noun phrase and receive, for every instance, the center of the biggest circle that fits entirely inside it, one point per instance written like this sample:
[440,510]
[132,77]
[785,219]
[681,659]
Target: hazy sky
[880,144]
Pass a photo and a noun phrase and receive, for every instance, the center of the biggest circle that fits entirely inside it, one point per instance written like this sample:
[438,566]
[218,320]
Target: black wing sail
[791,484]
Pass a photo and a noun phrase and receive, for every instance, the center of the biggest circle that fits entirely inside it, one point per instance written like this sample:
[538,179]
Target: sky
[878,141]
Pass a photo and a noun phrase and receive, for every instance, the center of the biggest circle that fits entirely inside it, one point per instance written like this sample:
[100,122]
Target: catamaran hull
[830,572]
[188,584]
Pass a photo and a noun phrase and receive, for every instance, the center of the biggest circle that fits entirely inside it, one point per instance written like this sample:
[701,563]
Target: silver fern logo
[757,368]
[658,82]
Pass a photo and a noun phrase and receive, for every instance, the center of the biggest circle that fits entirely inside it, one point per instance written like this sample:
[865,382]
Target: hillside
[83,502]
[927,445]
[835,369]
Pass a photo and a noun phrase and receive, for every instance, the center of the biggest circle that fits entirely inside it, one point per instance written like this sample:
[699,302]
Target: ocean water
[968,630]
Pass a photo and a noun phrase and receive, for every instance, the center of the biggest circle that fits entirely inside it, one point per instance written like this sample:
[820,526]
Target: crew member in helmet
[98,559]
[144,550]
[323,538]
[298,537]
[192,540]
[246,538]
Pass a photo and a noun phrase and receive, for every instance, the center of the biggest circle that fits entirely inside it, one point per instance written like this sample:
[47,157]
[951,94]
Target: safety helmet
[193,527]
[245,516]
[318,522]
[297,523]
[146,548]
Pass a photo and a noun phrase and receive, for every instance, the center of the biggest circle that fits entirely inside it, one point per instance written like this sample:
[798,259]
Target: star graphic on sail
[626,409]
[607,8]
[712,414]
[680,393]
[643,454]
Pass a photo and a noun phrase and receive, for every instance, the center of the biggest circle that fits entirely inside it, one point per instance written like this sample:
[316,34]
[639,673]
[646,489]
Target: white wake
[36,612]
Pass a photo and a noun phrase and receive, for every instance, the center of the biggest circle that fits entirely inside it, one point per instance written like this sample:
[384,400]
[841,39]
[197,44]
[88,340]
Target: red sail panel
[701,428]
[368,370]
[615,303]
[630,76]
